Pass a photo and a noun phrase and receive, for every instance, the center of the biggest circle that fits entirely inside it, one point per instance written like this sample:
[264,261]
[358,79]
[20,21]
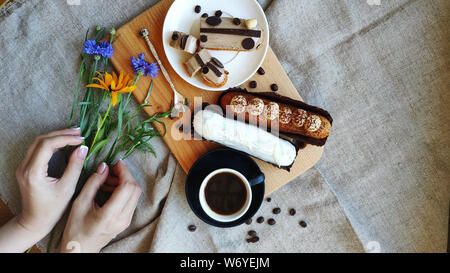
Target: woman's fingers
[45,149]
[74,167]
[93,184]
[30,151]
[129,208]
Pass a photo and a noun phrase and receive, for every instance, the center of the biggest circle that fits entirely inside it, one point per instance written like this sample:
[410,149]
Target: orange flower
[113,84]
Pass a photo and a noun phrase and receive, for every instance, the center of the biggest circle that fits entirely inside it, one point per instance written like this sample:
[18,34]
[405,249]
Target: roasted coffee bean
[181,128]
[261,71]
[237,21]
[271,221]
[205,70]
[205,15]
[260,219]
[268,199]
[276,210]
[192,228]
[213,20]
[248,43]
[274,87]
[253,84]
[198,9]
[217,62]
[253,239]
[292,212]
[175,36]
[249,221]
[302,224]
[252,233]
[203,38]
[218,13]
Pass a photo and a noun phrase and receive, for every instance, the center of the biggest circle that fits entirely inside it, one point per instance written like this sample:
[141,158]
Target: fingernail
[101,168]
[74,128]
[82,152]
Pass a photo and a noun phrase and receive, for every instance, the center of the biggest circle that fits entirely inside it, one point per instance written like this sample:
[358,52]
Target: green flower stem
[91,150]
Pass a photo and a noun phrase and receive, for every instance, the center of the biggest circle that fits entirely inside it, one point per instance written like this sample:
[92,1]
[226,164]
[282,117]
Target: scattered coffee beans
[260,219]
[268,199]
[205,15]
[303,224]
[253,239]
[292,212]
[274,87]
[253,84]
[192,228]
[218,13]
[249,221]
[203,38]
[197,9]
[252,233]
[271,221]
[276,210]
[237,21]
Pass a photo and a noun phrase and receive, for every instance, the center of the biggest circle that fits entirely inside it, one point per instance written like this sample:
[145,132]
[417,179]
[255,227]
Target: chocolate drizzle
[183,41]
[214,69]
[233,31]
[199,60]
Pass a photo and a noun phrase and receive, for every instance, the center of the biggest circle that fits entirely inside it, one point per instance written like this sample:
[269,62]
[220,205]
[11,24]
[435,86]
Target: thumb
[74,167]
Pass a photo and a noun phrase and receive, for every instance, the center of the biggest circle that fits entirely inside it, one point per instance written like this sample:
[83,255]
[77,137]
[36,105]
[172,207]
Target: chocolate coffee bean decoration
[175,36]
[261,71]
[253,84]
[268,199]
[303,224]
[197,9]
[253,239]
[252,233]
[237,21]
[292,212]
[260,219]
[276,210]
[271,221]
[205,15]
[214,21]
[249,221]
[248,43]
[218,13]
[203,38]
[274,87]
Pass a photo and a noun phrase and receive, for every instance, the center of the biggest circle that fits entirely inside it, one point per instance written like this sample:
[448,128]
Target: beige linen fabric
[382,71]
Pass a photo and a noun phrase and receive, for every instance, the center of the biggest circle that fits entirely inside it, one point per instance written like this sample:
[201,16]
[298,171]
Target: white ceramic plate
[241,65]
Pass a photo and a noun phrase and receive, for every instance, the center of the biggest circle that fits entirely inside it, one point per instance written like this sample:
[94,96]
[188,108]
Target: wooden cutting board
[188,151]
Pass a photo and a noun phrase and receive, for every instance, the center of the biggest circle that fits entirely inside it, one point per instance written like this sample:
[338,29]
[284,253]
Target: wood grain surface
[188,151]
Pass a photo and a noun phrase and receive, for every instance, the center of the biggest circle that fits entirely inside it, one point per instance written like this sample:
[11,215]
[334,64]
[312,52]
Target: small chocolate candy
[274,87]
[302,224]
[197,9]
[249,221]
[175,36]
[252,233]
[205,70]
[205,15]
[237,21]
[213,20]
[292,212]
[218,13]
[271,221]
[276,210]
[268,199]
[248,43]
[260,220]
[203,38]
[192,228]
[261,71]
[181,128]
[253,84]
[217,62]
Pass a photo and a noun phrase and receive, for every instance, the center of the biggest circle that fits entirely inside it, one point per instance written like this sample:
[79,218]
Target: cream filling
[244,137]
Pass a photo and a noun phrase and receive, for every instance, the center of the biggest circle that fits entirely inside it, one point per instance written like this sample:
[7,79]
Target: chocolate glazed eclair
[295,119]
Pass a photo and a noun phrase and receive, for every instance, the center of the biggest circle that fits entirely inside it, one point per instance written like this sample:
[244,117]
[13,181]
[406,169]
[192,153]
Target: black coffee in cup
[225,193]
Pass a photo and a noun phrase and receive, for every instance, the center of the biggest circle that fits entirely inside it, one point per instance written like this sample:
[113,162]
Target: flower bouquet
[110,128]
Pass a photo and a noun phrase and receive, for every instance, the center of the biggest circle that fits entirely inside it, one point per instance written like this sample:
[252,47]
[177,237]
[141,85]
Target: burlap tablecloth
[383,71]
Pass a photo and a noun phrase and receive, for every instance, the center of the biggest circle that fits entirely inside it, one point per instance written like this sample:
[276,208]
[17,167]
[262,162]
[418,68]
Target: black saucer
[217,159]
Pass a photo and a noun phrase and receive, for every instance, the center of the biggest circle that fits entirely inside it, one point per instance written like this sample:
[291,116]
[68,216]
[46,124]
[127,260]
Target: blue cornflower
[104,49]
[139,65]
[90,47]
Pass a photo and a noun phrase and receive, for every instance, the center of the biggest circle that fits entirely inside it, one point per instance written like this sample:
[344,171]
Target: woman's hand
[44,199]
[91,227]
